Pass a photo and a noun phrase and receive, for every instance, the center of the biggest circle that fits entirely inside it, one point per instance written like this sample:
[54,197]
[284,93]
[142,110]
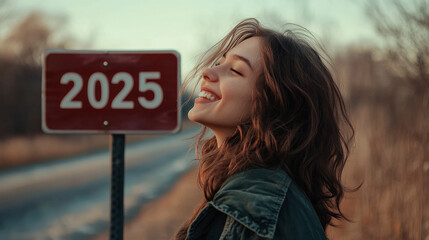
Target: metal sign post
[117,150]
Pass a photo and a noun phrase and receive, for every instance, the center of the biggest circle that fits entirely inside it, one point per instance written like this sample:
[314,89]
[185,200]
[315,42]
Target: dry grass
[19,151]
[394,197]
[394,167]
[390,156]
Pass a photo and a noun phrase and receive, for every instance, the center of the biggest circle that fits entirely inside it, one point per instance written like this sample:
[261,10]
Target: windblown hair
[298,122]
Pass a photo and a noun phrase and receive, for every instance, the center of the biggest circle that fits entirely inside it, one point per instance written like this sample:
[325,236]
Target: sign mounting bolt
[105,63]
[106,123]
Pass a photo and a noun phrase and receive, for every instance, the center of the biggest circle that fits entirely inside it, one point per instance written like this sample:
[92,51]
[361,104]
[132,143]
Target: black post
[117,187]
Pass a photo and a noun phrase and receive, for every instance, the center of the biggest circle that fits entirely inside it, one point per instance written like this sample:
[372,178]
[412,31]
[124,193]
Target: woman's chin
[191,116]
[196,115]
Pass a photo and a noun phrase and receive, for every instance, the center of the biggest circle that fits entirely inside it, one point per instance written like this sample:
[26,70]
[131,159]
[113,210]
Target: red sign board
[110,92]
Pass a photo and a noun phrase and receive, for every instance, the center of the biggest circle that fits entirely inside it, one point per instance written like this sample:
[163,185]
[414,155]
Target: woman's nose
[209,74]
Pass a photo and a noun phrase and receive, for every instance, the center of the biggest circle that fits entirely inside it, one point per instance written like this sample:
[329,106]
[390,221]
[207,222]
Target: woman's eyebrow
[241,58]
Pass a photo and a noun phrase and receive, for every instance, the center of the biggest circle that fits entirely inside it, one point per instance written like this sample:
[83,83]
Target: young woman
[272,169]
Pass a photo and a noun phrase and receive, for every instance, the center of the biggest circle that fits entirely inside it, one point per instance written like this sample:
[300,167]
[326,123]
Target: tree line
[21,52]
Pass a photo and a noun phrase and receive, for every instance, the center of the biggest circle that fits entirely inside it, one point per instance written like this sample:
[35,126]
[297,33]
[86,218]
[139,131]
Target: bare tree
[404,25]
[27,41]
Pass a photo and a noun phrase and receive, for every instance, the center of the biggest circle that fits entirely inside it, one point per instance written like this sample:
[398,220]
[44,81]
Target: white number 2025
[119,101]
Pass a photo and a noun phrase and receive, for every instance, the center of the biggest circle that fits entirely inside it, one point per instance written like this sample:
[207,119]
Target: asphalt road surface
[70,198]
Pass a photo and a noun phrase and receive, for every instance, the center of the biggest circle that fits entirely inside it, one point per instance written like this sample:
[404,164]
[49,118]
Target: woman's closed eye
[236,72]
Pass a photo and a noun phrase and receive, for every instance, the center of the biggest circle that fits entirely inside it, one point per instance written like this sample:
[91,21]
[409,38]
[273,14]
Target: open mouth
[207,95]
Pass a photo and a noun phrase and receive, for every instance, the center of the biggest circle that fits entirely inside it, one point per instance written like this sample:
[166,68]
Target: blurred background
[379,52]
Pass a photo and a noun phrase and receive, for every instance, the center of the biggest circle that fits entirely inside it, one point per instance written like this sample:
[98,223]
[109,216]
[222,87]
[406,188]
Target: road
[69,199]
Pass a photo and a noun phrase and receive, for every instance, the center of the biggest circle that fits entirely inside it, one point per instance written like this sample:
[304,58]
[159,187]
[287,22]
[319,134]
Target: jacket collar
[254,198]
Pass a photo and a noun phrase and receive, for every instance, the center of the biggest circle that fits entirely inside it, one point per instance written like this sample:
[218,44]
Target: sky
[191,26]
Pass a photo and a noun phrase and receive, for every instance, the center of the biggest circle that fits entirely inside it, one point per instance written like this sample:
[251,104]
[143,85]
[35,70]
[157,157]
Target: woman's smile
[207,95]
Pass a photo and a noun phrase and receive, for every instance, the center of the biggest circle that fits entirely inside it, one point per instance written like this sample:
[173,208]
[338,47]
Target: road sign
[110,92]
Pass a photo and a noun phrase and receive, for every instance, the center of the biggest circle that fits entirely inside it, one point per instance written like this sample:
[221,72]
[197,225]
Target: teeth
[207,95]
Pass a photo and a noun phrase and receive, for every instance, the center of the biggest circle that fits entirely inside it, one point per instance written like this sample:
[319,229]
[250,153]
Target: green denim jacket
[259,204]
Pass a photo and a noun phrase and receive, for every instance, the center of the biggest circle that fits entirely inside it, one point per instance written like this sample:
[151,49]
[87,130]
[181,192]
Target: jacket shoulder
[268,203]
[254,198]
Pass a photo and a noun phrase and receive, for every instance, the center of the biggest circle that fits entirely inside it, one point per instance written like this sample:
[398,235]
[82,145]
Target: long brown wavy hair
[298,122]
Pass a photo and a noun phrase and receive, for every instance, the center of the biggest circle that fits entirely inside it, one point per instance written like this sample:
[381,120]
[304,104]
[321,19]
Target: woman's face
[225,97]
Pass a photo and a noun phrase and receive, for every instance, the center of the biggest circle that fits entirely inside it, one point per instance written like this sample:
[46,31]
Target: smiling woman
[272,169]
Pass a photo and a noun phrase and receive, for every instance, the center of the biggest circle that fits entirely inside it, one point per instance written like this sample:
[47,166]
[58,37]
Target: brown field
[20,151]
[389,157]
[391,163]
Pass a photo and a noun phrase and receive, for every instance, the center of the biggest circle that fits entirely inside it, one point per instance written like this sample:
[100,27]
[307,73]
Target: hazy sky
[190,26]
